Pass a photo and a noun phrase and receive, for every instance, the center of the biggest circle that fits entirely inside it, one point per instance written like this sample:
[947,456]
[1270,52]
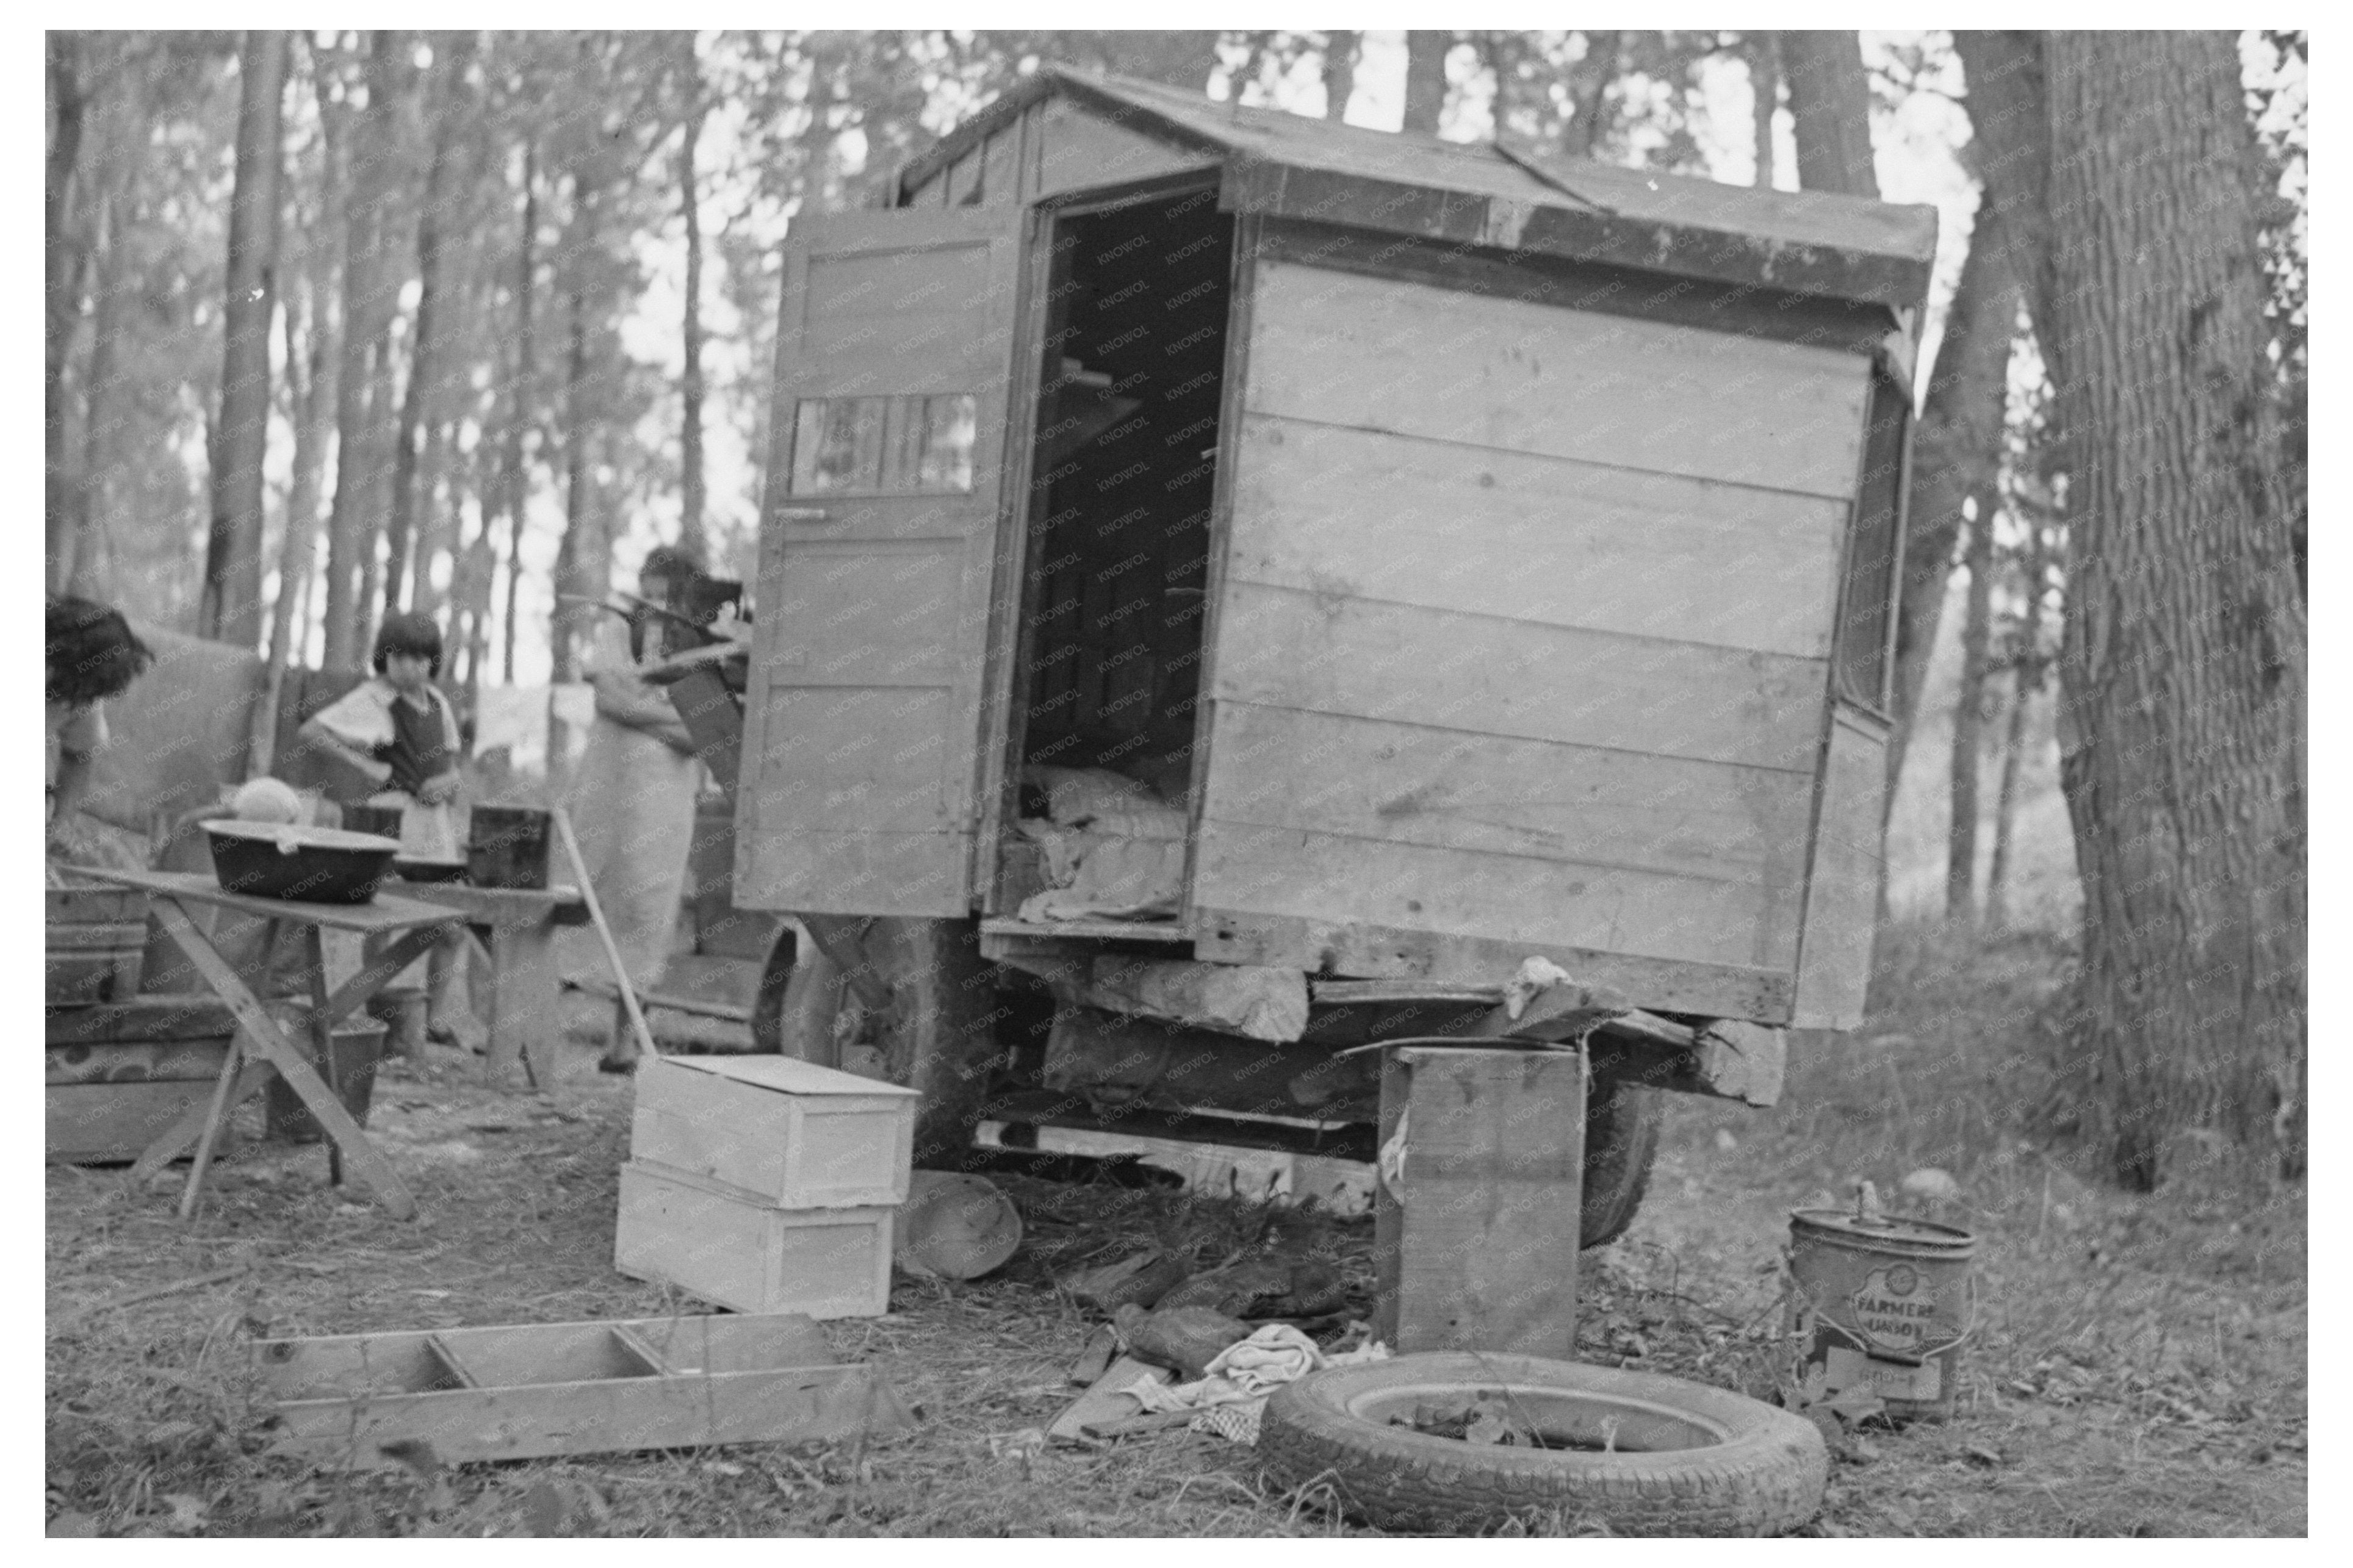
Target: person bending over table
[92,654]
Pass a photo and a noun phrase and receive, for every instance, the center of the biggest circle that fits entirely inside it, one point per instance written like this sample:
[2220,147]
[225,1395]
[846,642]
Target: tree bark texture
[1425,79]
[580,422]
[355,520]
[230,610]
[1957,448]
[1968,721]
[1830,100]
[76,563]
[1765,86]
[310,373]
[520,406]
[690,444]
[1339,73]
[1589,86]
[63,260]
[2026,680]
[425,347]
[2182,661]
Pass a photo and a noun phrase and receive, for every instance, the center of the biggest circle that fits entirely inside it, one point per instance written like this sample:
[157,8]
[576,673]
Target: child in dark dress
[402,733]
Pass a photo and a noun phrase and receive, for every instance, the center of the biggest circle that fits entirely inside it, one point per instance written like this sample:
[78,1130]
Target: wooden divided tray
[531,1391]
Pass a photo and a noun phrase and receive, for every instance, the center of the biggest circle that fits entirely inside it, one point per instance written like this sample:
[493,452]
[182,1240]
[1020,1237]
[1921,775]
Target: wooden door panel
[885,491]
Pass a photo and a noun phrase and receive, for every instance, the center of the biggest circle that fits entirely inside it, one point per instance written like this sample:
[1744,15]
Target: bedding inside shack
[1115,593]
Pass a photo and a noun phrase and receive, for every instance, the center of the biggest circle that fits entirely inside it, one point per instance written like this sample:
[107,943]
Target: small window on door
[1874,553]
[908,445]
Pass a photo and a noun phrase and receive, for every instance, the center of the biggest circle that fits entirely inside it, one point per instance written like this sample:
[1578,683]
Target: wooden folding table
[261,1047]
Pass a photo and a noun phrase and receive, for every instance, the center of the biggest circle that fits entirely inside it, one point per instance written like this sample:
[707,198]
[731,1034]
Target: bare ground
[2140,1370]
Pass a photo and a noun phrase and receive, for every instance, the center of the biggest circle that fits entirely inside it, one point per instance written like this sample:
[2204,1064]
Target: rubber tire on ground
[1621,1142]
[1766,1476]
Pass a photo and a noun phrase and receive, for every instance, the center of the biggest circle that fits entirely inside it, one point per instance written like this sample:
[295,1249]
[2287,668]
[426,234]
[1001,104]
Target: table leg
[251,1075]
[216,1116]
[323,1041]
[526,1020]
[271,1043]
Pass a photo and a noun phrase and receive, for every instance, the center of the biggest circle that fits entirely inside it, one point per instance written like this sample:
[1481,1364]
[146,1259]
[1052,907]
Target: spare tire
[1638,1453]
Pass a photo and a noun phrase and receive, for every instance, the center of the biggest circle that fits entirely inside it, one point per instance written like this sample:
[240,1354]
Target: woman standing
[401,733]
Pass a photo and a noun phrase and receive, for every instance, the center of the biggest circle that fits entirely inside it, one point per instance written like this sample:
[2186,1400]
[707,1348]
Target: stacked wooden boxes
[764,1184]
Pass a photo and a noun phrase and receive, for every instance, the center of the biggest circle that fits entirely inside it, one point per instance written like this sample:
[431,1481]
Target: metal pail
[1881,1303]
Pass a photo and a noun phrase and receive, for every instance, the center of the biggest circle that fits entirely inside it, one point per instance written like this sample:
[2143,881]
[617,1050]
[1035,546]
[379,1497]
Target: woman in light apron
[401,733]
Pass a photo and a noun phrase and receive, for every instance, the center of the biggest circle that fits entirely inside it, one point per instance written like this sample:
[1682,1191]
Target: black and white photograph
[970,782]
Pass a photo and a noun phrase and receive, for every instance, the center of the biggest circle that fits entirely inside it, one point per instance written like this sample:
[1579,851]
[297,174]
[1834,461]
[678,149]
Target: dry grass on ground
[2140,1369]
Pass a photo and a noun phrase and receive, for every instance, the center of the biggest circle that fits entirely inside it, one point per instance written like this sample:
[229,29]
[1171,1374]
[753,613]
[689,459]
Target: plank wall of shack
[1524,623]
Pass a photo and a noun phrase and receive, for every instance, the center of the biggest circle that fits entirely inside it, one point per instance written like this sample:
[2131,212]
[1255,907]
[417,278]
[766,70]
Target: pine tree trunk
[519,412]
[690,460]
[64,260]
[2005,809]
[1425,80]
[1339,73]
[308,375]
[2183,662]
[1830,100]
[1764,84]
[1957,448]
[230,610]
[1968,718]
[368,300]
[425,346]
[86,482]
[1588,85]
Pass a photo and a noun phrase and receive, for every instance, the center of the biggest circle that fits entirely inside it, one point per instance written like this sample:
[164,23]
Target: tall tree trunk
[1830,100]
[2183,662]
[1956,449]
[518,410]
[230,610]
[309,372]
[368,300]
[1339,73]
[77,573]
[2026,678]
[1588,88]
[1425,79]
[575,551]
[1765,85]
[690,519]
[63,259]
[424,368]
[1968,718]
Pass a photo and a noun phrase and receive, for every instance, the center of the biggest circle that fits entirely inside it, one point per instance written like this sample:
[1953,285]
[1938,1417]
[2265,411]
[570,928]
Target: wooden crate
[104,1123]
[118,1074]
[96,943]
[536,1390]
[789,1133]
[727,1247]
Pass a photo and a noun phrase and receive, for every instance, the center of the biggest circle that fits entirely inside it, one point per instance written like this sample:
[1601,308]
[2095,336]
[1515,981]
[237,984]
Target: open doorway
[1115,597]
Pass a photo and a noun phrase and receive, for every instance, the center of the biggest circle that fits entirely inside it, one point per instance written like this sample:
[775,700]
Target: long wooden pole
[603,931]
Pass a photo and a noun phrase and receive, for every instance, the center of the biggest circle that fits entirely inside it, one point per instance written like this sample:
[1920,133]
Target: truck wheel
[937,1035]
[1621,1141]
[1637,1452]
[785,963]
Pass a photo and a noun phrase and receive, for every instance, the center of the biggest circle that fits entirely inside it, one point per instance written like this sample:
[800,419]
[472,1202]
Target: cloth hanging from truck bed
[1113,849]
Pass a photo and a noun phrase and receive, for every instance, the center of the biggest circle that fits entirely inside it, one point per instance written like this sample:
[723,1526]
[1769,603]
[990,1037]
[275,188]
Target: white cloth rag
[1236,1384]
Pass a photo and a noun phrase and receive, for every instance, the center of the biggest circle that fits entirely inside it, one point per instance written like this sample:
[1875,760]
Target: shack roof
[1287,166]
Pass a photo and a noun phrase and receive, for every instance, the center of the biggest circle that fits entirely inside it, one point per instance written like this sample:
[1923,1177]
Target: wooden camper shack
[1472,560]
